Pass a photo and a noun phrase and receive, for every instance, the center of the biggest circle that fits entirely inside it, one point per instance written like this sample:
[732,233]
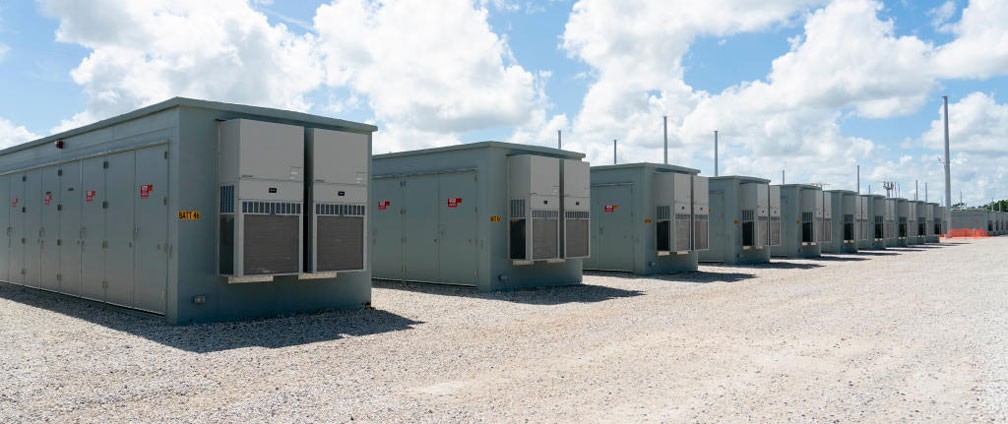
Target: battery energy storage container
[490,215]
[801,217]
[164,208]
[900,215]
[933,223]
[845,206]
[740,220]
[920,222]
[647,218]
[864,222]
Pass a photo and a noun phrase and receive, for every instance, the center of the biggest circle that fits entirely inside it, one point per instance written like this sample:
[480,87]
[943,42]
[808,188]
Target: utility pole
[925,192]
[859,179]
[715,154]
[948,171]
[559,139]
[916,190]
[782,177]
[665,130]
[614,151]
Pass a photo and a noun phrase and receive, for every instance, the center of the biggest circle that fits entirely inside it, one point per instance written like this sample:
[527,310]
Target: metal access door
[150,199]
[92,228]
[70,229]
[420,198]
[32,268]
[387,228]
[5,228]
[120,189]
[457,250]
[613,241]
[19,237]
[49,243]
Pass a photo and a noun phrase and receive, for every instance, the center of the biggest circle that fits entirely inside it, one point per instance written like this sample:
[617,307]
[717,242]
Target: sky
[814,88]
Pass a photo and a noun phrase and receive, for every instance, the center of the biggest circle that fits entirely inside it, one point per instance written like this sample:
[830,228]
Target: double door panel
[613,240]
[440,228]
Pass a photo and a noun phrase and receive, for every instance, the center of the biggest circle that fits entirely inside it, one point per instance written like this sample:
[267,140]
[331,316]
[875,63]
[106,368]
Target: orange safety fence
[968,232]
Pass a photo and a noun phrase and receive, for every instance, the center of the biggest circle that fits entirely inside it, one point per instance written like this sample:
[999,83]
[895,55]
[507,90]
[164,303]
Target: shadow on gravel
[584,293]
[840,258]
[278,332]
[705,277]
[875,253]
[778,264]
[905,249]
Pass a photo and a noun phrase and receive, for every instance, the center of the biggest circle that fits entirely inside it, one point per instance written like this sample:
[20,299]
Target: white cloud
[143,52]
[11,134]
[436,70]
[4,49]
[978,126]
[942,14]
[980,49]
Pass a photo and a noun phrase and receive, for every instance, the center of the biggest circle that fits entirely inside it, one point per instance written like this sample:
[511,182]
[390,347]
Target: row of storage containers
[204,211]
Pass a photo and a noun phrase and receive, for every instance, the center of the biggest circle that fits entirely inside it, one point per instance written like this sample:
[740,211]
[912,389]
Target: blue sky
[811,86]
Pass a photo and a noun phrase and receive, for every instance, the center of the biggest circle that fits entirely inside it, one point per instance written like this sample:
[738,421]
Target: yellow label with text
[188,215]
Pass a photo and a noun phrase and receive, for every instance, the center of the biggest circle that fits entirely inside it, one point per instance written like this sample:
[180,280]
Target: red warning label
[145,190]
[89,196]
[383,205]
[47,199]
[611,208]
[453,202]
[14,202]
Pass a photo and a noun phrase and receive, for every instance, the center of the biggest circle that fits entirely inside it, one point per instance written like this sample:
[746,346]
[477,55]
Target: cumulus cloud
[11,134]
[143,52]
[980,49]
[438,70]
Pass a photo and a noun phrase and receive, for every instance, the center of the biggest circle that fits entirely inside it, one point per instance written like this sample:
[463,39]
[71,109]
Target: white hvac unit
[826,222]
[337,198]
[811,206]
[673,212]
[261,179]
[701,213]
[576,190]
[774,206]
[755,212]
[534,212]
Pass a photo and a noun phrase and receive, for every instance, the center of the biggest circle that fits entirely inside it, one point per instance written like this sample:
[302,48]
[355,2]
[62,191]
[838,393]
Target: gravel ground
[908,335]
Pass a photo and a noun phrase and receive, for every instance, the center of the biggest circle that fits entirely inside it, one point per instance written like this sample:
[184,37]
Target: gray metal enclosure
[970,219]
[740,230]
[801,220]
[913,223]
[933,223]
[879,219]
[845,209]
[900,216]
[131,211]
[864,222]
[921,220]
[648,218]
[491,215]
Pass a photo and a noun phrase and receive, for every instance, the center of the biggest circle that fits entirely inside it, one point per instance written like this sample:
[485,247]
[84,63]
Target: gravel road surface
[908,335]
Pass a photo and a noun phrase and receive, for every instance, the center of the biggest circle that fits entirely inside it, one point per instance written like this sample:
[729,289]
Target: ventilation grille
[576,214]
[271,208]
[700,226]
[663,212]
[748,227]
[340,243]
[748,215]
[227,199]
[517,208]
[545,236]
[333,209]
[272,244]
[682,232]
[775,231]
[763,231]
[541,214]
[577,234]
